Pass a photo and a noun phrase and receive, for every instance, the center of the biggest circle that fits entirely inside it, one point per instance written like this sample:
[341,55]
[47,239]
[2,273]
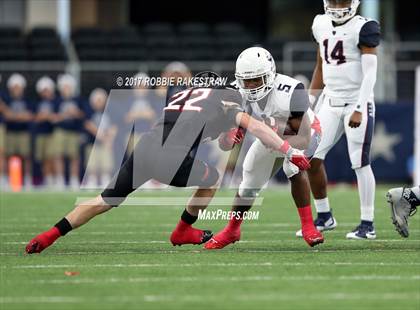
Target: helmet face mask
[255,72]
[341,11]
[254,88]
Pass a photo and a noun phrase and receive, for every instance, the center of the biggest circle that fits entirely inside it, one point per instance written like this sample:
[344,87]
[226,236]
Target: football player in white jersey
[346,72]
[277,99]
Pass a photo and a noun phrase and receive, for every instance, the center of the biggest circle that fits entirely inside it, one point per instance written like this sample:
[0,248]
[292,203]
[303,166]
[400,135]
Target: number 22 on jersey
[182,101]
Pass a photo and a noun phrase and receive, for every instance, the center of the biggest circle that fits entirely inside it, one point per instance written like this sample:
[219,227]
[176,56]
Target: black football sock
[63,226]
[188,218]
[412,195]
[415,191]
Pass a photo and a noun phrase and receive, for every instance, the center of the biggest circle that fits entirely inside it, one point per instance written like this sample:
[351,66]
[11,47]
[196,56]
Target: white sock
[49,180]
[366,184]
[60,182]
[322,205]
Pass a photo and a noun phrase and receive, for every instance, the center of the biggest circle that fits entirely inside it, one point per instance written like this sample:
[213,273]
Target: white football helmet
[254,63]
[341,15]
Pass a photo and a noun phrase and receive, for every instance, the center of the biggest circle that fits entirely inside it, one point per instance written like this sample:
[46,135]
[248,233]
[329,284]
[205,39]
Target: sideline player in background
[403,203]
[277,99]
[346,71]
[100,134]
[44,128]
[68,125]
[19,117]
[168,154]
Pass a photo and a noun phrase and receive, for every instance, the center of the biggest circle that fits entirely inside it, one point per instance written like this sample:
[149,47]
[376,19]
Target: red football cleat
[190,235]
[222,239]
[312,236]
[42,241]
[34,246]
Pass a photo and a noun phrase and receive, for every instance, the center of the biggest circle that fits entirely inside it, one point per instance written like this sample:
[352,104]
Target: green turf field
[126,261]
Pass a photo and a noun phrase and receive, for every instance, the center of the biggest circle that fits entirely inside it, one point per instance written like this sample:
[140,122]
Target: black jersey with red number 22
[196,115]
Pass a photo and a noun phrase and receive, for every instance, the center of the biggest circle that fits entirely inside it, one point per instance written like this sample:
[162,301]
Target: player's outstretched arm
[271,140]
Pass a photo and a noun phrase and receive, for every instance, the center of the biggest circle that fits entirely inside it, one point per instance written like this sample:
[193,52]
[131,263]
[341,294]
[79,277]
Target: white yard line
[227,279]
[41,300]
[264,264]
[152,279]
[202,298]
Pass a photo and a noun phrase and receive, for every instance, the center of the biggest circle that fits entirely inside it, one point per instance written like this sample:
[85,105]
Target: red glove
[236,135]
[300,160]
[228,139]
[297,157]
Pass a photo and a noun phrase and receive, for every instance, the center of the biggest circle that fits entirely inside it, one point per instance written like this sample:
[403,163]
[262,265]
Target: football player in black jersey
[167,154]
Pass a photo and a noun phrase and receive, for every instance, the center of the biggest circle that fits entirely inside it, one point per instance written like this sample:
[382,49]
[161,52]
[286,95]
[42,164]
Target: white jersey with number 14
[339,47]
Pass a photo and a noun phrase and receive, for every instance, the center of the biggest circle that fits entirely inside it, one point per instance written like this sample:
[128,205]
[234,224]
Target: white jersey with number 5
[339,47]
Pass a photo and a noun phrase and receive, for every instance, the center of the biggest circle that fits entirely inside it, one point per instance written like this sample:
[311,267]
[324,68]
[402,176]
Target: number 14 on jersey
[336,54]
